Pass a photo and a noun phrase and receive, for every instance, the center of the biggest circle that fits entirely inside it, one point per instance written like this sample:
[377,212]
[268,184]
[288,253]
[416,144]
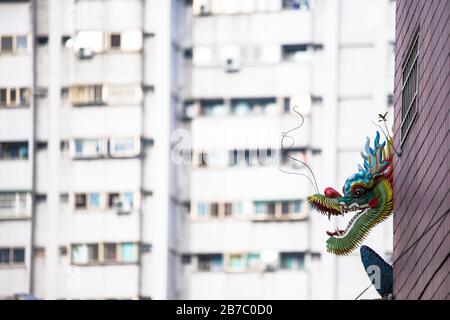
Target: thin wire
[410,247]
[284,149]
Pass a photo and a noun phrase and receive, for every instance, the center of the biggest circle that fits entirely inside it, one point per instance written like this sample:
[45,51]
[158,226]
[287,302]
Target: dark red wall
[421,172]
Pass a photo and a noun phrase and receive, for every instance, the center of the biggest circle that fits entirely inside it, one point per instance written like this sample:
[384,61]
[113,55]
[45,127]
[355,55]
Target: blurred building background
[139,144]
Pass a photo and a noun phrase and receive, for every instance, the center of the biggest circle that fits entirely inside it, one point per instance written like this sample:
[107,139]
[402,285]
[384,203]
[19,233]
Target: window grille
[409,88]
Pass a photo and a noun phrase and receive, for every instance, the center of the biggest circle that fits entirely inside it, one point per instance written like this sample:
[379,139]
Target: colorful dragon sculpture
[368,193]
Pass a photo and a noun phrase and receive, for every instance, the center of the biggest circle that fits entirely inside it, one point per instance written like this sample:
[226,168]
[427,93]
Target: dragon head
[368,193]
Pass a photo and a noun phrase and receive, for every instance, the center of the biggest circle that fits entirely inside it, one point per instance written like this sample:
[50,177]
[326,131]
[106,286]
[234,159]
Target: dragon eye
[359,192]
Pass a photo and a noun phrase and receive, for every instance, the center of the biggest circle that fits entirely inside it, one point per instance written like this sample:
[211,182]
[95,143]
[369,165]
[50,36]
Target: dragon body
[367,193]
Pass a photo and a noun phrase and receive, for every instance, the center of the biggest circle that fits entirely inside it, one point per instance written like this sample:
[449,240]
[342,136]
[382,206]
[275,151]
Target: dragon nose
[331,193]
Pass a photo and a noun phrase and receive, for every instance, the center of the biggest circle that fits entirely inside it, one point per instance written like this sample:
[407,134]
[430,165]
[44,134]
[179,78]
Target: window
[296,206]
[186,259]
[92,253]
[203,209]
[218,210]
[80,201]
[315,257]
[86,95]
[128,198]
[213,107]
[236,262]
[409,88]
[109,252]
[243,261]
[79,254]
[292,260]
[265,207]
[21,43]
[228,209]
[115,40]
[14,204]
[85,253]
[252,105]
[124,147]
[292,157]
[237,208]
[265,157]
[104,253]
[3,97]
[210,262]
[123,202]
[13,44]
[202,159]
[292,52]
[5,256]
[89,148]
[233,156]
[113,198]
[94,200]
[12,256]
[285,207]
[250,157]
[6,43]
[101,201]
[295,4]
[260,207]
[253,261]
[18,255]
[122,94]
[14,150]
[128,252]
[14,97]
[88,201]
[214,210]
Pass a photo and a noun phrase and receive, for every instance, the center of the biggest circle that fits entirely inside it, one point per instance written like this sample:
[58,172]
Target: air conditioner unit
[85,53]
[232,64]
[269,260]
[202,7]
[122,206]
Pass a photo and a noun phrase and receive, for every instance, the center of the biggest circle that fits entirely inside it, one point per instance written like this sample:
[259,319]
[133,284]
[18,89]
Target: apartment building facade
[248,232]
[421,183]
[80,196]
[95,97]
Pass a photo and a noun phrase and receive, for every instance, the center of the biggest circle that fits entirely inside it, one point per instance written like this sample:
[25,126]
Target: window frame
[14,49]
[101,261]
[406,117]
[284,255]
[87,95]
[109,36]
[134,152]
[101,153]
[11,263]
[17,211]
[8,103]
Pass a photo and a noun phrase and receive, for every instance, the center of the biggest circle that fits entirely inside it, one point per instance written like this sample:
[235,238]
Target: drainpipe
[142,162]
[32,143]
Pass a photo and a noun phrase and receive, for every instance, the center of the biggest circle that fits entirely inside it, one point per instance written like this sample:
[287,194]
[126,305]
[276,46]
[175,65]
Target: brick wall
[422,171]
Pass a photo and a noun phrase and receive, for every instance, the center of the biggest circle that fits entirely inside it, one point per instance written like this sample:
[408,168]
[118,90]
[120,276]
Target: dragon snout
[331,193]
